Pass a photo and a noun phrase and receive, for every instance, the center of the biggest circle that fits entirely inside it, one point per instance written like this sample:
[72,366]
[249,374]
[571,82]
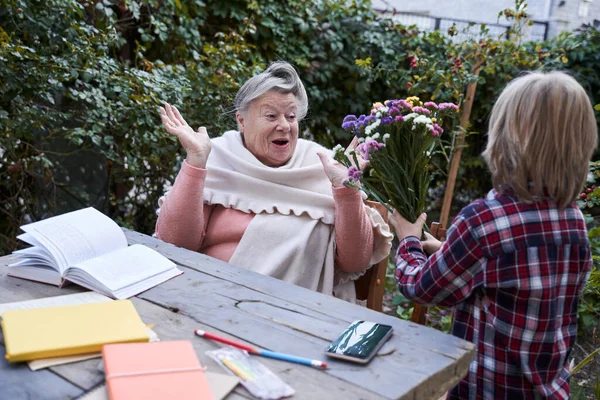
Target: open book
[89,249]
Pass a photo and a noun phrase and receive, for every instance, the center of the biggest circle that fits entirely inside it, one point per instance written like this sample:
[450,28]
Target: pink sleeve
[353,231]
[183,216]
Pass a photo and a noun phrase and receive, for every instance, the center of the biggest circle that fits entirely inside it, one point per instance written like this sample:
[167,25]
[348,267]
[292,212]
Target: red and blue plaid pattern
[513,273]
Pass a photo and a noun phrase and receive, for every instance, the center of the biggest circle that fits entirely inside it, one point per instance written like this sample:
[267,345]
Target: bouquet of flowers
[397,139]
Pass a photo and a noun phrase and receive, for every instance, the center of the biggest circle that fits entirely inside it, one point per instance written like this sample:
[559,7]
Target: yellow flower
[377,105]
[414,101]
[434,120]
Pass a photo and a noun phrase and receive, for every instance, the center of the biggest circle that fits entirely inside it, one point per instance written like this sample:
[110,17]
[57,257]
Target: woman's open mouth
[281,143]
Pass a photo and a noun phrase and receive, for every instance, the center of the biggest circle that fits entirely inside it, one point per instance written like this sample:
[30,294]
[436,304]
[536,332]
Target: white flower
[375,136]
[361,139]
[422,119]
[338,149]
[386,137]
[370,128]
[410,116]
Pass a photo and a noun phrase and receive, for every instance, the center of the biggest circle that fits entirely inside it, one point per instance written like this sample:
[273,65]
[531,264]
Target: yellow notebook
[69,330]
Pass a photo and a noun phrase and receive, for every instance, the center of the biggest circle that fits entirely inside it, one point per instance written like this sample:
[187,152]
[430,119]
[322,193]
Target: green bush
[81,82]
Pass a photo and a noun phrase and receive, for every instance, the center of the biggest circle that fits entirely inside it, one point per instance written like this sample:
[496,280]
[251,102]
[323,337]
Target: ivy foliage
[81,82]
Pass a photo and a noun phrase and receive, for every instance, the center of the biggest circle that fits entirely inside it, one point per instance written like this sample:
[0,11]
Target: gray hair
[281,77]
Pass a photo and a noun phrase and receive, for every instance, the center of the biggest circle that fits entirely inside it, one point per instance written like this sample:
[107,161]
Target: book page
[65,300]
[34,256]
[124,267]
[27,238]
[77,236]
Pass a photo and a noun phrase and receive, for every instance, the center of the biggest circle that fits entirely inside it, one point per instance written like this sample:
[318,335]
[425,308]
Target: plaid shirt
[513,272]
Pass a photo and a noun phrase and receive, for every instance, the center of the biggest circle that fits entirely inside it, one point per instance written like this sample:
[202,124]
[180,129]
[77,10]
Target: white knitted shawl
[292,236]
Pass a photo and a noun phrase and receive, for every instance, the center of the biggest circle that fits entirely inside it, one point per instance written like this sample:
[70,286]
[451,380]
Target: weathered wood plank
[17,381]
[249,315]
[218,297]
[425,361]
[308,382]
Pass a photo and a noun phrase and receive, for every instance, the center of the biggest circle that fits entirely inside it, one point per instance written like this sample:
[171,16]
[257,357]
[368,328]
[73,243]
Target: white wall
[561,14]
[474,10]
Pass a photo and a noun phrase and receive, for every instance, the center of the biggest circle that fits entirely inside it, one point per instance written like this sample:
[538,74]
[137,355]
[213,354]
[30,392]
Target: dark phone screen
[359,339]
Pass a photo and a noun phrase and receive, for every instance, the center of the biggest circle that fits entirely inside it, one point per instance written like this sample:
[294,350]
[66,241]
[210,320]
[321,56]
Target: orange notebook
[158,370]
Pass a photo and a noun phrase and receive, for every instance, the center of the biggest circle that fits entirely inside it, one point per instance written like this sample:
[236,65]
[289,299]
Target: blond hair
[542,136]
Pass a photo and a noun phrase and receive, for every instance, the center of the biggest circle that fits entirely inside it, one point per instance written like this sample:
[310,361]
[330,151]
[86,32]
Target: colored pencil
[263,353]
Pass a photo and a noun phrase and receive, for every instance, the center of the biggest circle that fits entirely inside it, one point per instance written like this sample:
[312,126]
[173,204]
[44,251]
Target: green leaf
[585,361]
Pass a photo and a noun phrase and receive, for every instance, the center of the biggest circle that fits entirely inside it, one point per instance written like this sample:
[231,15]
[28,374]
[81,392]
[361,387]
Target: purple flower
[354,173]
[349,126]
[386,120]
[421,110]
[431,104]
[393,110]
[349,118]
[368,119]
[388,103]
[444,312]
[444,106]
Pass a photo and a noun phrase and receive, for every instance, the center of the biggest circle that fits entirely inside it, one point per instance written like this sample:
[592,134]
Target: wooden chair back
[371,285]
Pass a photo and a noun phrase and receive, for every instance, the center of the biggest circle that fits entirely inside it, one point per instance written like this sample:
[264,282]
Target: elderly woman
[265,200]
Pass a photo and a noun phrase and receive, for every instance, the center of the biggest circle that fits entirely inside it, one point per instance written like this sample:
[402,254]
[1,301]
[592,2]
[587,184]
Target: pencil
[236,370]
[264,353]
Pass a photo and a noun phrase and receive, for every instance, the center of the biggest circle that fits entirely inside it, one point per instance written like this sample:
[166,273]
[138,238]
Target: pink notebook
[158,370]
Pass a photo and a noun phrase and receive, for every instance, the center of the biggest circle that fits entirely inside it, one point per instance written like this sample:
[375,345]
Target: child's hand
[430,244]
[404,228]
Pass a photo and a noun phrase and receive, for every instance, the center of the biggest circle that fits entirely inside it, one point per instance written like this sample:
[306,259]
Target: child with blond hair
[514,263]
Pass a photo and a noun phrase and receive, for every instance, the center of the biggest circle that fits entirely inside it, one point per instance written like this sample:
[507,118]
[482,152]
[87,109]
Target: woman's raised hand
[362,163]
[335,171]
[197,145]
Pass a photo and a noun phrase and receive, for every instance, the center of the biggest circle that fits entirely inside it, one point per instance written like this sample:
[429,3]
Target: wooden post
[439,229]
[458,145]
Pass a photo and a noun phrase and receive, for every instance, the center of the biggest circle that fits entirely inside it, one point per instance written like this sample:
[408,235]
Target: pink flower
[431,104]
[354,173]
[444,106]
[369,146]
[405,104]
[398,118]
[436,130]
[421,110]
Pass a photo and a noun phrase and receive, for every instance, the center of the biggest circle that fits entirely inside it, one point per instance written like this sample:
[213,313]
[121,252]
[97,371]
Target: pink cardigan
[216,231]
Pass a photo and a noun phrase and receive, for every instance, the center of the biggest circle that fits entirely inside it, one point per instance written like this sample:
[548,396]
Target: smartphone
[359,342]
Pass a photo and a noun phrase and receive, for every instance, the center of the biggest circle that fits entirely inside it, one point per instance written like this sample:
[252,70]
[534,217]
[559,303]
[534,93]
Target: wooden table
[268,313]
